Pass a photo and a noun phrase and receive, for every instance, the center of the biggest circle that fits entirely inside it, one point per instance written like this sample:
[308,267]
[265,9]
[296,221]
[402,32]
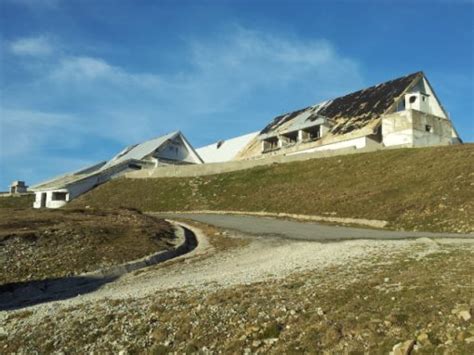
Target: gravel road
[303,230]
[266,255]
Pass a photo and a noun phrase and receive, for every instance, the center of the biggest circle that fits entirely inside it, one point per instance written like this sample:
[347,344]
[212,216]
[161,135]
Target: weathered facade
[402,112]
[170,149]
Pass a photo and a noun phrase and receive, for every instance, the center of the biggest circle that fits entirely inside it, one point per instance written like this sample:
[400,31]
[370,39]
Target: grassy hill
[417,189]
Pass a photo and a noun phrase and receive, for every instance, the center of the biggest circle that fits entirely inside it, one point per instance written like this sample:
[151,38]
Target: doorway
[43,200]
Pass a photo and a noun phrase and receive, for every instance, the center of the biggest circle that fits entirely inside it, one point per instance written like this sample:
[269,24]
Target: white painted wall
[73,190]
[175,150]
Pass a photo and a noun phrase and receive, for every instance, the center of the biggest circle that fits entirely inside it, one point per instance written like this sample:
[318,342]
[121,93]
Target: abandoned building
[18,187]
[169,149]
[403,112]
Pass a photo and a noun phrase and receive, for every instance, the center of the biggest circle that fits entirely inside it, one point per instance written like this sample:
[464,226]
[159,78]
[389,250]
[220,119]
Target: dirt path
[224,294]
[262,258]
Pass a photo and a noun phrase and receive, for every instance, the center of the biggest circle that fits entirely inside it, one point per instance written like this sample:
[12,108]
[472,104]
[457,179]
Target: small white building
[169,149]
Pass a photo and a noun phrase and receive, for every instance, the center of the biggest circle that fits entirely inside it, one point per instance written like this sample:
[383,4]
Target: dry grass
[39,244]
[415,189]
[17,202]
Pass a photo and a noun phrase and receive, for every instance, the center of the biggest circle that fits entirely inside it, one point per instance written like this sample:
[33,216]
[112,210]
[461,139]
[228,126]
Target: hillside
[45,244]
[415,189]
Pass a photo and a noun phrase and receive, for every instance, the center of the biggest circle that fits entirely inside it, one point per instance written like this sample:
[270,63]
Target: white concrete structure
[225,150]
[169,149]
[403,112]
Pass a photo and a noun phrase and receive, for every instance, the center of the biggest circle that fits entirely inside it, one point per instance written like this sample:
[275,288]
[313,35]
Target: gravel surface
[263,258]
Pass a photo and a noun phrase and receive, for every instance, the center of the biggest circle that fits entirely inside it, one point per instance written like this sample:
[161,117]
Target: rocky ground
[41,244]
[239,294]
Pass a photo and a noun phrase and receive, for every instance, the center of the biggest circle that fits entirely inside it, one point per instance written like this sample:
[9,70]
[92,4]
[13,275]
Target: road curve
[291,229]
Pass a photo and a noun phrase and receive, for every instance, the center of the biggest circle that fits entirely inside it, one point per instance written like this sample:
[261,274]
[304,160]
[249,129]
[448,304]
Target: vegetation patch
[17,201]
[428,189]
[41,244]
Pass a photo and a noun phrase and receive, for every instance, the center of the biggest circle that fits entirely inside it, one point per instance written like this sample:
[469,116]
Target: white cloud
[234,83]
[32,46]
[79,68]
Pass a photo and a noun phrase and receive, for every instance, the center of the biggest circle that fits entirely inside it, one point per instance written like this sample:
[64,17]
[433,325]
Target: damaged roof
[352,111]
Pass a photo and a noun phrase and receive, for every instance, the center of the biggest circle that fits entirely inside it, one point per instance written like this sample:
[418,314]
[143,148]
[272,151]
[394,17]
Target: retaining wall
[218,168]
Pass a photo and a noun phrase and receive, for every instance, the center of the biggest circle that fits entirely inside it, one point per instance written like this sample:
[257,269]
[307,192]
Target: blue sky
[79,80]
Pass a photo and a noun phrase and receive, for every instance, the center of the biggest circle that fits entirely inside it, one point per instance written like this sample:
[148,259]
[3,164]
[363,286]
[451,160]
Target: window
[412,99]
[270,144]
[134,166]
[428,128]
[59,196]
[311,133]
[290,138]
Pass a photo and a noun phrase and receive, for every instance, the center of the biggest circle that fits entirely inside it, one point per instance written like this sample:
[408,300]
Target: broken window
[59,196]
[270,144]
[429,128]
[290,138]
[311,133]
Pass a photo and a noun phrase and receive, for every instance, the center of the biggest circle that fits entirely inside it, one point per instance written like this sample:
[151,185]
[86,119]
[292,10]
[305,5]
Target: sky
[81,79]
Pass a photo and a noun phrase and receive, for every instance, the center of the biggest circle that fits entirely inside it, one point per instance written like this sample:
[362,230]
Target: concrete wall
[218,168]
[355,143]
[441,131]
[416,129]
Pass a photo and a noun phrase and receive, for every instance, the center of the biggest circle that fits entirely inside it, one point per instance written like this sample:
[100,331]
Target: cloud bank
[85,107]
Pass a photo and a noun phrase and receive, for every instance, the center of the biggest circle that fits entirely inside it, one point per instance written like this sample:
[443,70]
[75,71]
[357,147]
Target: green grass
[417,189]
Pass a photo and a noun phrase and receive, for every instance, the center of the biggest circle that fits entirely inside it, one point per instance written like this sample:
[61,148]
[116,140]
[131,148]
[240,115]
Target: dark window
[412,99]
[290,138]
[311,133]
[270,144]
[59,196]
[134,166]
[428,128]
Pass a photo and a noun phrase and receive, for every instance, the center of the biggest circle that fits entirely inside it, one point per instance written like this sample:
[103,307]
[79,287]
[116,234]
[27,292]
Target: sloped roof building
[170,149]
[400,112]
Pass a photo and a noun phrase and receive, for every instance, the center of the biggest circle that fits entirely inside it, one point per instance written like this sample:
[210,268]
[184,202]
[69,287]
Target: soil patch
[41,244]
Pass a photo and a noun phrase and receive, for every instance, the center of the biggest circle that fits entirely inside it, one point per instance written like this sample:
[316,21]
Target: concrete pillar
[300,136]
